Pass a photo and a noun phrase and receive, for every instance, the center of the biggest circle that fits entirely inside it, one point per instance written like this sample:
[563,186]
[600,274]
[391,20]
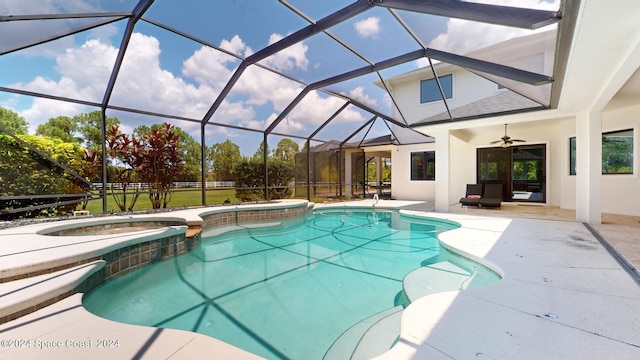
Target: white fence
[176,185]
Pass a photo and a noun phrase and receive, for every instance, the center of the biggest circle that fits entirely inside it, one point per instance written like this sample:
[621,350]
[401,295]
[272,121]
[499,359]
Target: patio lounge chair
[472,196]
[492,196]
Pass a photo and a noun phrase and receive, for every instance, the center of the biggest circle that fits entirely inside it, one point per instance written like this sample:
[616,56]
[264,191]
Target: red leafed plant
[152,160]
[158,162]
[124,182]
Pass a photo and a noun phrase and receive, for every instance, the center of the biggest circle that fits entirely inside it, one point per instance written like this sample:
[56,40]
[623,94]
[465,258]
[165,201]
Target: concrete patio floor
[562,296]
[620,231]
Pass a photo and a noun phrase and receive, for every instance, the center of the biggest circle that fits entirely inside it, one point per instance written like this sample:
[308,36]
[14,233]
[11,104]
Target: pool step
[19,297]
[379,338]
[346,344]
[434,278]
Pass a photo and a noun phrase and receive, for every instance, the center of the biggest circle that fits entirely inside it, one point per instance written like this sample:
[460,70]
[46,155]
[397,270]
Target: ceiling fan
[506,140]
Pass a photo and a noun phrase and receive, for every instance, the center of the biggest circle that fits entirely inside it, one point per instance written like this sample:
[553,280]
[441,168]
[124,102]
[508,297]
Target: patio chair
[472,196]
[492,196]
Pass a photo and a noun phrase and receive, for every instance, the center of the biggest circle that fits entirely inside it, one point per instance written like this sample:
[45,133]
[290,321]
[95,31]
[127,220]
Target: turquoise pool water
[284,290]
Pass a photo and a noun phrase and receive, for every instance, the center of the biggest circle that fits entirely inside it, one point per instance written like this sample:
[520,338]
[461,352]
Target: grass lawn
[179,199]
[193,197]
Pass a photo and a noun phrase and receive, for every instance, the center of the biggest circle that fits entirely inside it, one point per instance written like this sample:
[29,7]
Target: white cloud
[358,94]
[313,111]
[260,86]
[84,72]
[236,46]
[295,56]
[209,66]
[368,28]
[143,84]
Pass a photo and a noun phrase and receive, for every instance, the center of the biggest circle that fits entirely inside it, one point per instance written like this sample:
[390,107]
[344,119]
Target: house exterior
[580,148]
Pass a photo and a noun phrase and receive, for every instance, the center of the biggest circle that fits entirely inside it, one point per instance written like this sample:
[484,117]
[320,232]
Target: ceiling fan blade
[506,140]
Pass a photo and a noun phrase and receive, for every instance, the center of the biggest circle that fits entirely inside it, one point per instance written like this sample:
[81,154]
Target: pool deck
[563,296]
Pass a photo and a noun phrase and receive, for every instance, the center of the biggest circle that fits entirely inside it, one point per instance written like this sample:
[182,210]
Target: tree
[13,122]
[386,170]
[90,125]
[141,130]
[61,127]
[259,154]
[190,152]
[158,162]
[154,159]
[223,158]
[189,148]
[120,150]
[26,172]
[286,150]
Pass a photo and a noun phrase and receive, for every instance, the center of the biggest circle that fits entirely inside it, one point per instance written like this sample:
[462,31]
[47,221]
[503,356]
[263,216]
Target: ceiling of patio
[296,68]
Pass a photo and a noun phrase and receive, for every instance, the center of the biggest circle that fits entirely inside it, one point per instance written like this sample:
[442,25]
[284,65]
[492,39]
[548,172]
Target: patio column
[589,167]
[347,175]
[378,170]
[442,169]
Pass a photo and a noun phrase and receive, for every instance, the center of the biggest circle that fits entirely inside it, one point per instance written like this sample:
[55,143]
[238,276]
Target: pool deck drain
[563,296]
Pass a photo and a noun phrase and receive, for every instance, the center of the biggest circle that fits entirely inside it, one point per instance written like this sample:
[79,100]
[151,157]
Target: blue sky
[166,73]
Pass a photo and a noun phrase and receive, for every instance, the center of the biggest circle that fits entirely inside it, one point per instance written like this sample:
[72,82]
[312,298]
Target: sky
[163,72]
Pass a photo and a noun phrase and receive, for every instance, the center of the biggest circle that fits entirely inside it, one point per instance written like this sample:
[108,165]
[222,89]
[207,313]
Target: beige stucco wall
[467,88]
[402,186]
[621,193]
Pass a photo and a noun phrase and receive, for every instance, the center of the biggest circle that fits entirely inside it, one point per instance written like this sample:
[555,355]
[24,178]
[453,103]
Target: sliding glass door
[520,169]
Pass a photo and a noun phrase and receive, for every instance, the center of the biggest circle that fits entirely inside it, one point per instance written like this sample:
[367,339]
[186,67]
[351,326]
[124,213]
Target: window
[429,89]
[488,171]
[525,169]
[617,153]
[493,164]
[423,165]
[572,156]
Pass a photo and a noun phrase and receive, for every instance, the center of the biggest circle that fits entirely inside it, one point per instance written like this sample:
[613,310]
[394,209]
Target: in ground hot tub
[109,226]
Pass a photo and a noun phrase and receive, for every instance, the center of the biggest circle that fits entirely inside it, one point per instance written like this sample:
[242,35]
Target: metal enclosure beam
[398,60]
[504,71]
[62,34]
[335,114]
[137,12]
[339,16]
[414,55]
[492,14]
[287,110]
[336,18]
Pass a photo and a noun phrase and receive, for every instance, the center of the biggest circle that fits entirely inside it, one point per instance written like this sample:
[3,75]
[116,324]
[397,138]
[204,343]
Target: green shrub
[24,172]
[250,180]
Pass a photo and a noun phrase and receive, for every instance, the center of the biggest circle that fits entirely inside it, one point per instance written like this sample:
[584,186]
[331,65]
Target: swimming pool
[283,289]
